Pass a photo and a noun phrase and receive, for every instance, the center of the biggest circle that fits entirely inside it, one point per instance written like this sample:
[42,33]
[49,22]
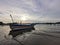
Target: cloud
[1,13]
[42,10]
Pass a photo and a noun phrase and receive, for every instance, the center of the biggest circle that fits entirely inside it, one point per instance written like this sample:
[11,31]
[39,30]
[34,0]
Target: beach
[42,35]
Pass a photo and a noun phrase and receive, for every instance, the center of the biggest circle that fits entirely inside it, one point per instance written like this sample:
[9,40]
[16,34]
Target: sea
[6,39]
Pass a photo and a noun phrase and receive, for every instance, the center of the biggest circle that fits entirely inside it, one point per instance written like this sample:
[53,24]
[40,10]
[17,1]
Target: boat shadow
[15,33]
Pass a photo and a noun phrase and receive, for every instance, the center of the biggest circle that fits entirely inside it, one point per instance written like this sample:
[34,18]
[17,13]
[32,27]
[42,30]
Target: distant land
[1,23]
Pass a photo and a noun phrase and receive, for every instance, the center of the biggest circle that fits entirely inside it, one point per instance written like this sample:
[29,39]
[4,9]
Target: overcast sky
[33,10]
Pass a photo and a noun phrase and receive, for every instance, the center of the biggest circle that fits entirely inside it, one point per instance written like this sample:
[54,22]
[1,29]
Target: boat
[17,28]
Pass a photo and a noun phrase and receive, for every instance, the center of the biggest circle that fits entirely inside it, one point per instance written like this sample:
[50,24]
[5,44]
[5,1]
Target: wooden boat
[17,29]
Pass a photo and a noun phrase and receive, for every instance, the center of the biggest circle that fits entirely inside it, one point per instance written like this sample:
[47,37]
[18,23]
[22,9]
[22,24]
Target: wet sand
[37,37]
[43,38]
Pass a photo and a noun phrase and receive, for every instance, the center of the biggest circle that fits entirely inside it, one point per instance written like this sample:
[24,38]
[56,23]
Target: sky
[30,10]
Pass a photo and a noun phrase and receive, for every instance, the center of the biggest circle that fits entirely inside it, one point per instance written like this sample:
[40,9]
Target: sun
[23,18]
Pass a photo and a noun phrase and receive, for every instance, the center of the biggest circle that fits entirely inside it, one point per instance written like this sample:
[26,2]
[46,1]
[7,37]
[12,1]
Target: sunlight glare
[24,17]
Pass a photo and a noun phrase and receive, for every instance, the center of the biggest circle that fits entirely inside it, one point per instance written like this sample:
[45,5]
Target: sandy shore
[34,38]
[43,38]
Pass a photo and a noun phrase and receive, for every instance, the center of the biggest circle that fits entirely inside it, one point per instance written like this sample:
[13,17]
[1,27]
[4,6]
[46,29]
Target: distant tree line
[1,23]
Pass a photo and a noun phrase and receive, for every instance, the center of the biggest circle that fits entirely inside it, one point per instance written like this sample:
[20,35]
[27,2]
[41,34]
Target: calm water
[4,30]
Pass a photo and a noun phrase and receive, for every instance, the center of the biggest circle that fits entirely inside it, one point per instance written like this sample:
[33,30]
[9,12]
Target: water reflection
[47,27]
[4,30]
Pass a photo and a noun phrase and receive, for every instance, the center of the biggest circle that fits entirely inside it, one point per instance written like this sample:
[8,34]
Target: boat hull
[20,29]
